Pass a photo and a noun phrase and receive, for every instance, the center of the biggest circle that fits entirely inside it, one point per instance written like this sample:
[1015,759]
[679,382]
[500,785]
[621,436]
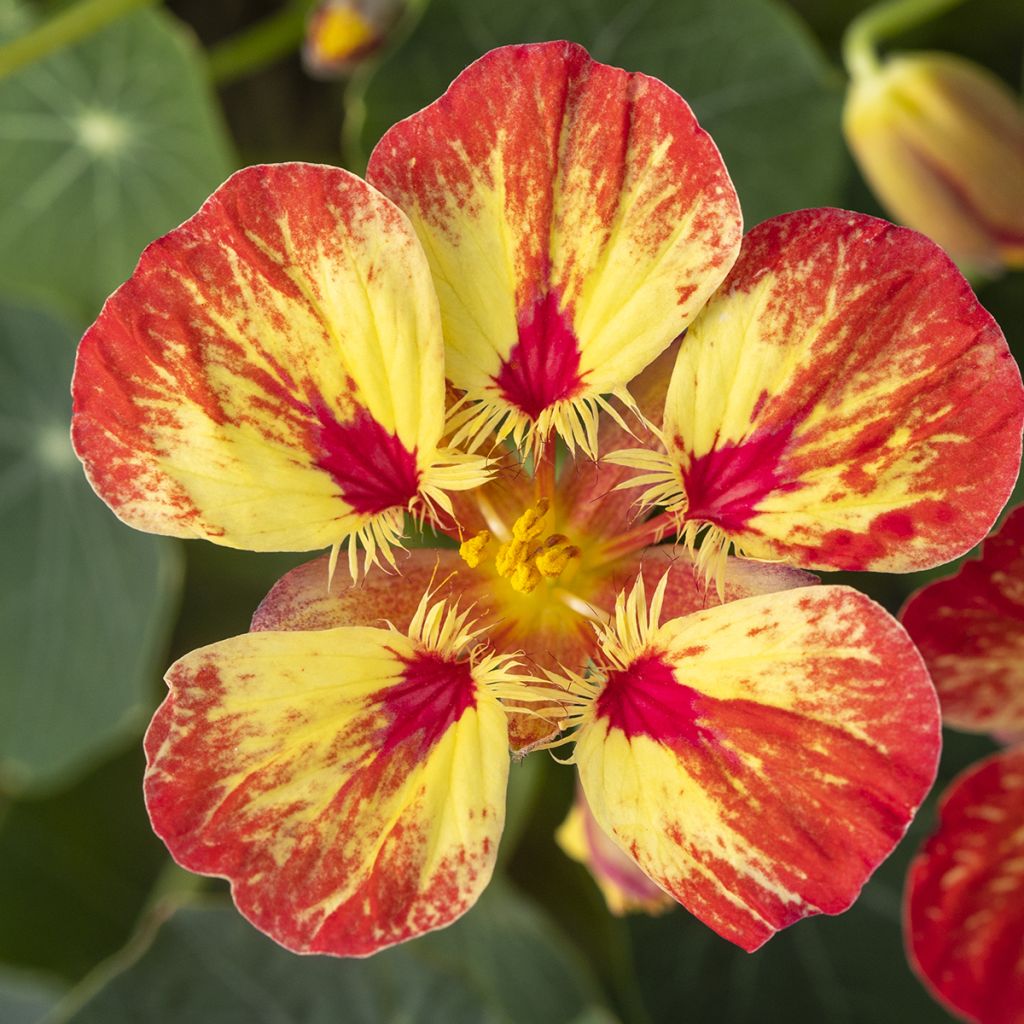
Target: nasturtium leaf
[501,964]
[26,998]
[754,77]
[103,146]
[76,869]
[86,604]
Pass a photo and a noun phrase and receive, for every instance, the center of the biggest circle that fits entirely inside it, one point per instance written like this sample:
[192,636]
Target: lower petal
[349,783]
[760,759]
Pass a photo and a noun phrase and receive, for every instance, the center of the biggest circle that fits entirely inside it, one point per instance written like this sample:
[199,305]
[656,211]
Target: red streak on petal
[433,695]
[646,700]
[725,485]
[544,365]
[374,470]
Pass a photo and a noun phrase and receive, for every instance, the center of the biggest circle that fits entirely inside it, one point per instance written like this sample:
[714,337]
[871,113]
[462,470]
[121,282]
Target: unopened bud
[941,142]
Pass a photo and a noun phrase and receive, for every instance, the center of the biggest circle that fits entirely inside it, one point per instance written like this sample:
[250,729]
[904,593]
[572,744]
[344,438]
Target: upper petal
[844,402]
[758,760]
[271,375]
[349,783]
[965,895]
[576,218]
[969,629]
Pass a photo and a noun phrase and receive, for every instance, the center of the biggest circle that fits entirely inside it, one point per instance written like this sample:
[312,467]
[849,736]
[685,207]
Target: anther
[554,556]
[474,550]
[530,524]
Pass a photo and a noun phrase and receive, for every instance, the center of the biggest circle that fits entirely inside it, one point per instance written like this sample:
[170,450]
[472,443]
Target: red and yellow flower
[964,907]
[310,358]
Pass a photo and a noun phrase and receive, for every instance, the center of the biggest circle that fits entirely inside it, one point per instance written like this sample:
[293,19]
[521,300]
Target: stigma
[529,556]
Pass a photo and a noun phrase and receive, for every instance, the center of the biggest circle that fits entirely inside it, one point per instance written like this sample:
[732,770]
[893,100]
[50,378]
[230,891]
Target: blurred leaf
[501,964]
[87,602]
[749,69]
[103,147]
[26,998]
[76,870]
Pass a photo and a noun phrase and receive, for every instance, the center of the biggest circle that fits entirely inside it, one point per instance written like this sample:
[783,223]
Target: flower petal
[576,218]
[348,782]
[758,760]
[271,376]
[844,402]
[969,629]
[965,895]
[302,600]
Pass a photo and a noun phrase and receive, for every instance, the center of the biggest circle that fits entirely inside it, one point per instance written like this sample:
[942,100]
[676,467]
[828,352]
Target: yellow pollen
[528,557]
[474,551]
[554,556]
[530,524]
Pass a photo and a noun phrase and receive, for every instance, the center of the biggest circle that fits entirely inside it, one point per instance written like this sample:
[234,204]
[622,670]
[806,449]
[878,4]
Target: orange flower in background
[275,373]
[964,909]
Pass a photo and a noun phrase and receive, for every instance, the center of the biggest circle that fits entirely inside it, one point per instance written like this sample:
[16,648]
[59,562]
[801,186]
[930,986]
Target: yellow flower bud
[941,142]
[624,886]
[341,33]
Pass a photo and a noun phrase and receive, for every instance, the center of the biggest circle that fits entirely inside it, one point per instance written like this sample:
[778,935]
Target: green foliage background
[113,140]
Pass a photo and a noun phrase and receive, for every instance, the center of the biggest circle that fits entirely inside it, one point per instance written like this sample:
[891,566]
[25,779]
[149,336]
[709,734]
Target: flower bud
[941,142]
[624,886]
[341,33]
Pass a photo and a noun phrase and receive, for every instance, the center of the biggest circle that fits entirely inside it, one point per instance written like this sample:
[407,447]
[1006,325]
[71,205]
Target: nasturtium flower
[965,890]
[311,357]
[940,141]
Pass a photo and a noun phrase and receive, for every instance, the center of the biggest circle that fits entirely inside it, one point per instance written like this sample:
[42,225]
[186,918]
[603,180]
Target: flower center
[529,556]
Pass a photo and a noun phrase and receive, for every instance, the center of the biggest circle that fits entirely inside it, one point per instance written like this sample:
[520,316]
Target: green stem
[261,44]
[881,22]
[71,25]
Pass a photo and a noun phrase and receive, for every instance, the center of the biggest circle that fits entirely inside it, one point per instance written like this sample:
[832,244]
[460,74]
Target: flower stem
[261,44]
[63,29]
[881,22]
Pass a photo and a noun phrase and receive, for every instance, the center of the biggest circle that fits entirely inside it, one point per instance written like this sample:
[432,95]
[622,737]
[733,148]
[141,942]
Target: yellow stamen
[475,550]
[554,556]
[525,578]
[530,524]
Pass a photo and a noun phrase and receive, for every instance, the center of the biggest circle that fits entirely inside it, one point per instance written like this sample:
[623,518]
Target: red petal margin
[349,784]
[844,402]
[964,911]
[576,218]
[760,759]
[271,375]
[969,629]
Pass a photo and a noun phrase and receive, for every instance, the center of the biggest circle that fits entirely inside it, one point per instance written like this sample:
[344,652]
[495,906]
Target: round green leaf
[86,603]
[103,146]
[753,75]
[502,963]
